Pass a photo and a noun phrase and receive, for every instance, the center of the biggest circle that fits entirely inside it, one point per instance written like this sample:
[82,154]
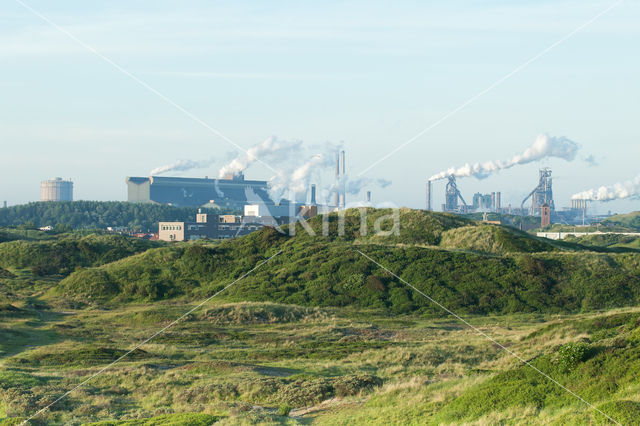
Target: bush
[284,410]
[570,355]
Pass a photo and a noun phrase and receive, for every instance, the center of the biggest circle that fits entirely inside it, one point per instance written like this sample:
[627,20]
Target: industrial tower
[541,194]
[452,194]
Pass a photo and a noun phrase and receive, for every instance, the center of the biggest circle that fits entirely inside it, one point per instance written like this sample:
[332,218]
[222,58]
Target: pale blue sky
[372,74]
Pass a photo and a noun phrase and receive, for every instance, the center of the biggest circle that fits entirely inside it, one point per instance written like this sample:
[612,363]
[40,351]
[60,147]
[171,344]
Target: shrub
[284,410]
[570,355]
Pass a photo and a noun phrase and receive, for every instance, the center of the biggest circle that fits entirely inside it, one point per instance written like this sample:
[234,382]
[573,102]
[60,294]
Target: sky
[368,74]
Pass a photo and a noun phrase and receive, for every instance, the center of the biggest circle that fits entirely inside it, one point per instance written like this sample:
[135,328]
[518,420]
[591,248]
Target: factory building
[455,202]
[56,189]
[232,192]
[218,227]
[214,227]
[487,202]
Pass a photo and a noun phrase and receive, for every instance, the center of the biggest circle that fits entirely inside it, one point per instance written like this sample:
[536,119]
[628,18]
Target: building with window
[213,227]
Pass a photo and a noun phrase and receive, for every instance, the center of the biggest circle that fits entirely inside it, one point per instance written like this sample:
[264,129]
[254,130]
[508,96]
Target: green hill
[612,347]
[320,334]
[65,253]
[465,265]
[629,221]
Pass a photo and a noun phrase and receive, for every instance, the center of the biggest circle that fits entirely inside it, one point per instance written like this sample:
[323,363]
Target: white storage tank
[56,189]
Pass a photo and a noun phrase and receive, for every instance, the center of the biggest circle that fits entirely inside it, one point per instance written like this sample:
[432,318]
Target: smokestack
[344,189]
[493,201]
[313,194]
[368,196]
[498,201]
[429,195]
[337,203]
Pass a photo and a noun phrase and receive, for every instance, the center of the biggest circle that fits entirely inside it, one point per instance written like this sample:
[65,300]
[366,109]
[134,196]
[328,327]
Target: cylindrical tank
[56,190]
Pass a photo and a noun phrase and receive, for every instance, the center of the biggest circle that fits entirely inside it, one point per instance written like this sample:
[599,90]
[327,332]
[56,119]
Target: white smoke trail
[620,190]
[295,181]
[545,146]
[295,167]
[181,166]
[271,148]
[354,186]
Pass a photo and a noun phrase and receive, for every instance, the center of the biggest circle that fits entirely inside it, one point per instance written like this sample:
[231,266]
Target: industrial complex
[234,192]
[539,202]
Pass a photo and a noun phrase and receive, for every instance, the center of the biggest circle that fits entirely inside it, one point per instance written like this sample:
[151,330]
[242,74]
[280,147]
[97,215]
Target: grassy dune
[320,335]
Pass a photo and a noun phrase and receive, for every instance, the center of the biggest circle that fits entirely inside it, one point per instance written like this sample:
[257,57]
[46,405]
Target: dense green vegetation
[485,269]
[611,352]
[629,221]
[68,252]
[320,334]
[96,215]
[610,241]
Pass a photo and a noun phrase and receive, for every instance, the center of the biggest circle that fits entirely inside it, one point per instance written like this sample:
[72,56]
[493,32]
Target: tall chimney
[337,198]
[498,201]
[493,201]
[368,196]
[429,195]
[313,194]
[344,190]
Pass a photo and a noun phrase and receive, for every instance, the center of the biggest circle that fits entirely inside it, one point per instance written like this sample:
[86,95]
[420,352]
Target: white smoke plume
[354,186]
[293,180]
[295,166]
[620,190]
[545,146]
[270,149]
[181,166]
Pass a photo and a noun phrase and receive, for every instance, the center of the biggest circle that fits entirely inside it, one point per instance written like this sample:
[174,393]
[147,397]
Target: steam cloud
[628,189]
[295,167]
[271,148]
[295,181]
[181,166]
[545,146]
